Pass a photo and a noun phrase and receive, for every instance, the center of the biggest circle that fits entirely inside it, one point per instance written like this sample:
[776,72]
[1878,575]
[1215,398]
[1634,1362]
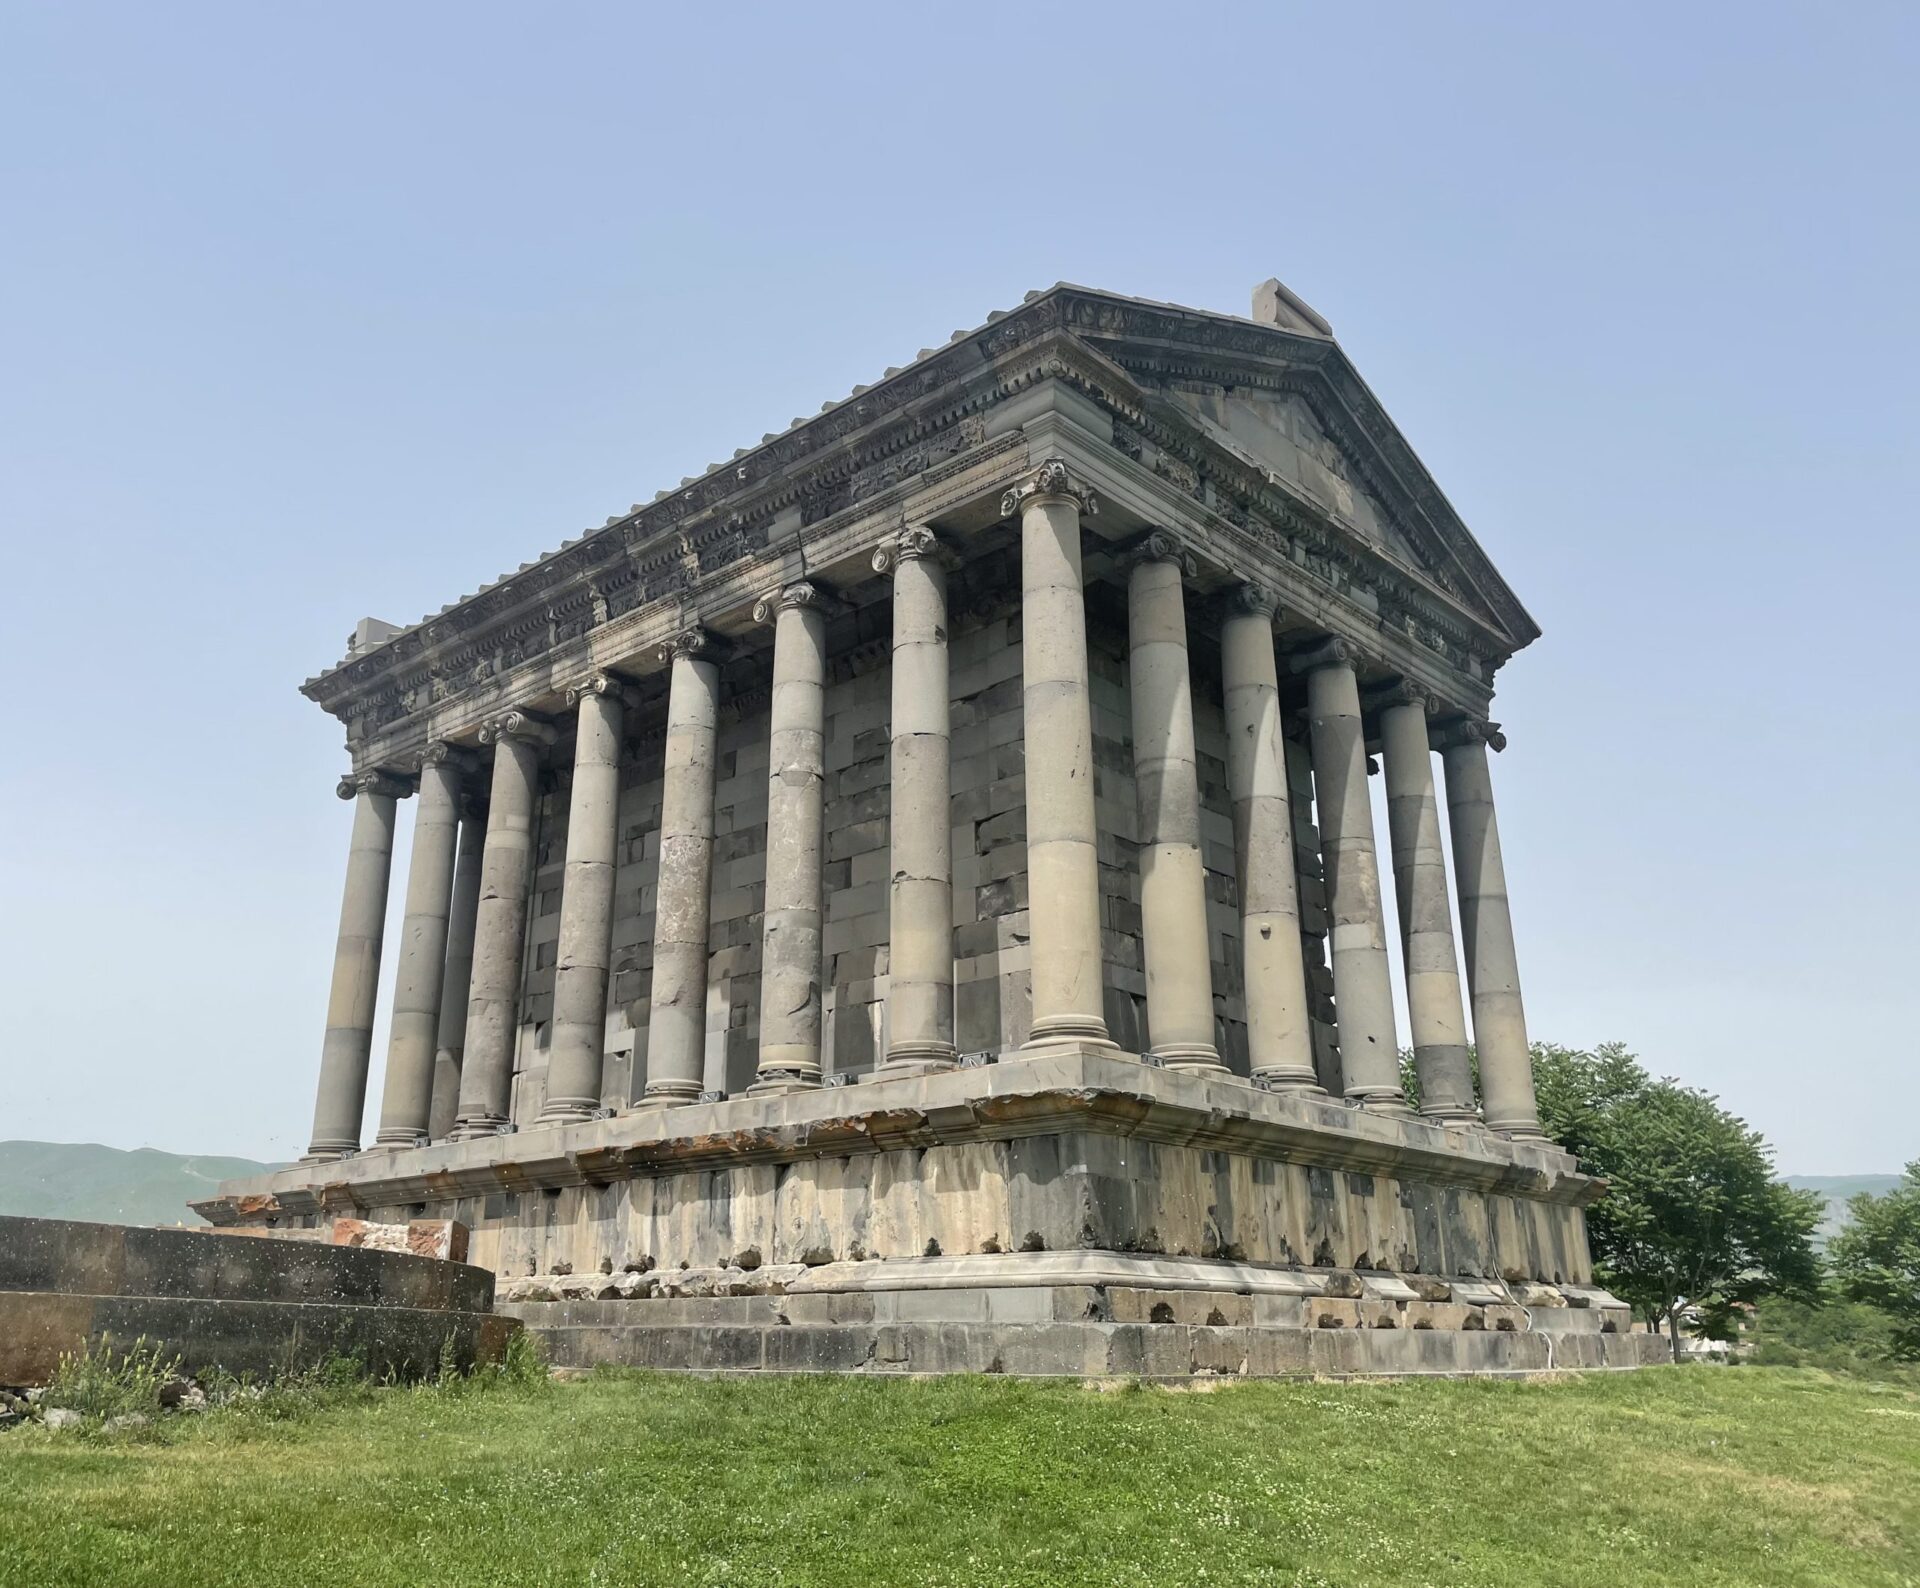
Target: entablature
[933,444]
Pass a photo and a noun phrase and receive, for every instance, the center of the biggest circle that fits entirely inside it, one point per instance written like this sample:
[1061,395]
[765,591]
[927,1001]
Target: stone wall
[1074,1190]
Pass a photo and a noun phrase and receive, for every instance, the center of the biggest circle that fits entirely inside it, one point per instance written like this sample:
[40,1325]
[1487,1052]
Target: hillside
[1837,1189]
[79,1180]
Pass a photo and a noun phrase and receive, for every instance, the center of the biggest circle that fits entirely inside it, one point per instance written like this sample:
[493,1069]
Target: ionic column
[1063,873]
[500,925]
[586,904]
[1362,984]
[1166,775]
[790,962]
[920,894]
[677,1014]
[1486,924]
[1432,968]
[348,1045]
[457,985]
[1279,1027]
[407,1098]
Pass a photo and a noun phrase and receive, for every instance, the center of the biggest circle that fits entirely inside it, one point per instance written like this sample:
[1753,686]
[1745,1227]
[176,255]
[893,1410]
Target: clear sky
[308,313]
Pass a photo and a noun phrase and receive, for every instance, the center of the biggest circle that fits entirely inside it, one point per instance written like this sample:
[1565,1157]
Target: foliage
[1758,1478]
[1693,1212]
[1876,1258]
[99,1382]
[1832,1334]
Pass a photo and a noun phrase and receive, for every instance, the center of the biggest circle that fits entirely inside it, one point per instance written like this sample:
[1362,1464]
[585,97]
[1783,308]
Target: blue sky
[309,313]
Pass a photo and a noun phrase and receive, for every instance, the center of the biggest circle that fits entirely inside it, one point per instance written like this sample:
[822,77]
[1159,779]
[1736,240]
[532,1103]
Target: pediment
[1282,399]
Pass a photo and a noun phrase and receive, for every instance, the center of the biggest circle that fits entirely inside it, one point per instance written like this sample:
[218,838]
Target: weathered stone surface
[971,835]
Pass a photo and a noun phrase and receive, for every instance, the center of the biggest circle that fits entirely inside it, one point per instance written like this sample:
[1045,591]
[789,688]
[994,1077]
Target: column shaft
[1063,873]
[407,1099]
[1432,967]
[1279,1025]
[500,929]
[457,985]
[920,894]
[1486,924]
[790,952]
[1362,984]
[1173,882]
[586,906]
[348,1047]
[677,1013]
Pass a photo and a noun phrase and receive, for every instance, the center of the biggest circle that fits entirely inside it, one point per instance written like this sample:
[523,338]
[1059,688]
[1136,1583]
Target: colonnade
[457,989]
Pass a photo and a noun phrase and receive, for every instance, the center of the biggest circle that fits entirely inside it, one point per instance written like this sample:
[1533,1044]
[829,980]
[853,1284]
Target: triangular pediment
[1282,400]
[1279,433]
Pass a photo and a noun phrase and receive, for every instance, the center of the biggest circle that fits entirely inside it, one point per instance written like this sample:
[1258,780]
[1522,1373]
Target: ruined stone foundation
[1075,1212]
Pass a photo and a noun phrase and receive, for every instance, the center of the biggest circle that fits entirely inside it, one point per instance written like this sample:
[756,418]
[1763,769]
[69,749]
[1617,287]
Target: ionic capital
[604,685]
[1249,600]
[442,753]
[1469,730]
[520,725]
[805,596]
[1403,692]
[393,785]
[1051,480]
[1162,545]
[695,644]
[915,543]
[1337,651]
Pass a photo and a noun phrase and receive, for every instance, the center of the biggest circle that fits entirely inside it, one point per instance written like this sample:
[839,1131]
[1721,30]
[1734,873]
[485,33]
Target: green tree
[1693,1214]
[1876,1258]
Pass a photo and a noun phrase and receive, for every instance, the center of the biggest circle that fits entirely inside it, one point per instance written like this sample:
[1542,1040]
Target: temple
[910,895]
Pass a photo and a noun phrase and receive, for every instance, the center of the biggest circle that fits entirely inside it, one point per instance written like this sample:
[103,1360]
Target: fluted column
[1362,983]
[407,1098]
[1063,873]
[500,925]
[1279,1025]
[790,957]
[920,894]
[348,1046]
[585,948]
[1166,775]
[1486,924]
[1431,965]
[677,1013]
[457,985]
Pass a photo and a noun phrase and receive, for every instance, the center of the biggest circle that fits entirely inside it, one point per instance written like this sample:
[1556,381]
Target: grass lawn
[1674,1477]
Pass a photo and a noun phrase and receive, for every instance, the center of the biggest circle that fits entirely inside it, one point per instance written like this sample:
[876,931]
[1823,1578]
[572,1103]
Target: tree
[1693,1213]
[1876,1258]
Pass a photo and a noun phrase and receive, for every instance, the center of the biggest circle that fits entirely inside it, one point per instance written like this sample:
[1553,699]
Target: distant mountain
[1837,1189]
[73,1180]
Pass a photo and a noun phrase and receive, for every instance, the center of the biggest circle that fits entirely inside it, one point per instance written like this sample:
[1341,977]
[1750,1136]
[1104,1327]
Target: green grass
[1675,1477]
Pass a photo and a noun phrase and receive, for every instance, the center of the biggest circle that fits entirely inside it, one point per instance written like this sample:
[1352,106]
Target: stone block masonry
[943,833]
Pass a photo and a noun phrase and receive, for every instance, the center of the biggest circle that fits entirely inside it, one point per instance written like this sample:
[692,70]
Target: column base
[1449,1116]
[1524,1131]
[480,1126]
[1081,1030]
[1383,1102]
[922,1058]
[1196,1058]
[1303,1082]
[778,1083]
[569,1111]
[668,1094]
[329,1151]
[400,1139]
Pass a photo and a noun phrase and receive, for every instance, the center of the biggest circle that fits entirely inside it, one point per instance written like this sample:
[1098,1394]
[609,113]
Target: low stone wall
[260,1307]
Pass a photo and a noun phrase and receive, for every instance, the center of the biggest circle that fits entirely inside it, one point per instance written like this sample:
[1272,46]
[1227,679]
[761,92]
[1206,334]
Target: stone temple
[909,897]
